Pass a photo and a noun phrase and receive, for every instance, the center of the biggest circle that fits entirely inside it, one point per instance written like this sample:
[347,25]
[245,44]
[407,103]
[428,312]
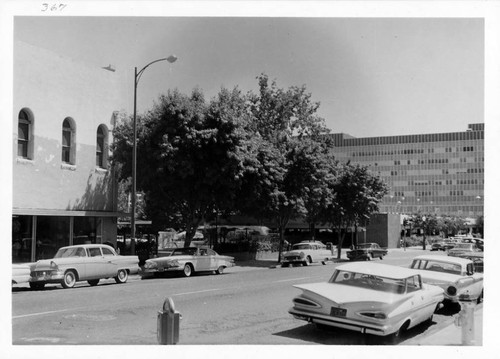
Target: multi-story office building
[64,189]
[441,173]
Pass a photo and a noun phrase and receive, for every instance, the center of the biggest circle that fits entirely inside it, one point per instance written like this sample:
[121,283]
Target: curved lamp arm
[171,59]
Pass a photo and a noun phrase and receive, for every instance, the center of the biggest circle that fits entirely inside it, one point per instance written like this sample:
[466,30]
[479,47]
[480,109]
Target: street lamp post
[137,77]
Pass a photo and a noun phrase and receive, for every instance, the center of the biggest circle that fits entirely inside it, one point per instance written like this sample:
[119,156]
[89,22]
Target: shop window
[68,141]
[101,146]
[25,134]
[52,233]
[22,232]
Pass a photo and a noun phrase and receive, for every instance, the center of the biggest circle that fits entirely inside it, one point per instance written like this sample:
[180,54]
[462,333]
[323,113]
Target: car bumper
[45,277]
[344,323]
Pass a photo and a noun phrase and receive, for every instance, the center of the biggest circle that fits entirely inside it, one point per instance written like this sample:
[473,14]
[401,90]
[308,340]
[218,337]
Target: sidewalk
[451,334]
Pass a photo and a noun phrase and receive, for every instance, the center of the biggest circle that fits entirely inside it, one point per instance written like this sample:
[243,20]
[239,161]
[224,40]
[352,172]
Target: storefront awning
[64,213]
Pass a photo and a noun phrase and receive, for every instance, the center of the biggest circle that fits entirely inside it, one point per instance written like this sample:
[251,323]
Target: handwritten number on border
[53,7]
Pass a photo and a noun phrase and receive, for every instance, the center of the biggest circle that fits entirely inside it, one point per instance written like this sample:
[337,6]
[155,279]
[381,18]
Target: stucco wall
[53,88]
[384,229]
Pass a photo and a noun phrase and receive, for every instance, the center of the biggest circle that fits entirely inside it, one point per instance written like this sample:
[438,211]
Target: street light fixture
[137,77]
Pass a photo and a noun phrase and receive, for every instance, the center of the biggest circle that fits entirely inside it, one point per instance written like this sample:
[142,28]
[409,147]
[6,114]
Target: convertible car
[366,251]
[456,276]
[86,262]
[187,261]
[308,252]
[370,298]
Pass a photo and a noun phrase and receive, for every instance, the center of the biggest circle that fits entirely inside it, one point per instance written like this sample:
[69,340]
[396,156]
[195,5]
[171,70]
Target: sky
[371,76]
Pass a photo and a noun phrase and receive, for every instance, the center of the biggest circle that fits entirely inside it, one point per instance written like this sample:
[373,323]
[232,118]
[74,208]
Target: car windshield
[302,246]
[374,282]
[184,251]
[436,266]
[463,246]
[364,245]
[70,252]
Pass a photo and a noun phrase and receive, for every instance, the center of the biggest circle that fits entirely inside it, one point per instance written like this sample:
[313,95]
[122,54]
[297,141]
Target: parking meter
[168,323]
[465,318]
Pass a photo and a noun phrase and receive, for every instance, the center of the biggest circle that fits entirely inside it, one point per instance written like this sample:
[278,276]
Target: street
[245,305]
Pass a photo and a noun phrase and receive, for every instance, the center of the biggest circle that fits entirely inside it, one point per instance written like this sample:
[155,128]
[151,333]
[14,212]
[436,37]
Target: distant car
[450,243]
[307,252]
[455,275]
[463,248]
[366,251]
[86,262]
[187,261]
[20,273]
[438,246]
[371,298]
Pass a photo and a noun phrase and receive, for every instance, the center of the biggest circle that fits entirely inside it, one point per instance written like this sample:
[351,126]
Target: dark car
[366,251]
[477,258]
[438,246]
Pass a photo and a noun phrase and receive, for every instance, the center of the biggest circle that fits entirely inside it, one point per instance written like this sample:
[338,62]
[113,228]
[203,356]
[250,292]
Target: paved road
[246,305]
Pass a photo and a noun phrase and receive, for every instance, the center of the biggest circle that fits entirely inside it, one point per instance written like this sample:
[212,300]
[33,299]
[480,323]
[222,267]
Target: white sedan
[372,298]
[307,252]
[20,273]
[187,261]
[457,276]
[86,262]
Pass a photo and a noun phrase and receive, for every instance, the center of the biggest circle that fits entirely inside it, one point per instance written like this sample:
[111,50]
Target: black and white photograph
[222,178]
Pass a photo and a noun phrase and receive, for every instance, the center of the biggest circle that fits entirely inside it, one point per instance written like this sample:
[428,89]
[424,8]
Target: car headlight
[302,255]
[150,265]
[53,266]
[376,315]
[451,290]
[172,263]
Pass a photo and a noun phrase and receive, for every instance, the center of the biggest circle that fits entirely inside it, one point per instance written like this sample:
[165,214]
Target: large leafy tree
[286,119]
[428,223]
[189,156]
[357,196]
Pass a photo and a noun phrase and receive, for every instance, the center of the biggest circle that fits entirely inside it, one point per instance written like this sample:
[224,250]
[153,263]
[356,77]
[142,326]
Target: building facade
[64,188]
[440,173]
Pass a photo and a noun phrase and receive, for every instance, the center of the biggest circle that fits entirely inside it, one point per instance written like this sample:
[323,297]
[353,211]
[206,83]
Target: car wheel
[400,332]
[285,265]
[220,270]
[307,261]
[480,298]
[93,282]
[187,271]
[324,262]
[37,285]
[122,276]
[69,279]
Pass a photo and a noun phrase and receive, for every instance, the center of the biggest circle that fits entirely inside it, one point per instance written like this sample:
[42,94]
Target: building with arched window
[64,191]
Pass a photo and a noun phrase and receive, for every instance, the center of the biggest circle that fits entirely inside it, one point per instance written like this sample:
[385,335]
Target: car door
[110,267]
[203,260]
[95,264]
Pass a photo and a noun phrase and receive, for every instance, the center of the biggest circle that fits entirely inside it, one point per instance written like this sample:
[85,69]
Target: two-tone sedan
[370,298]
[86,262]
[307,252]
[456,276]
[187,261]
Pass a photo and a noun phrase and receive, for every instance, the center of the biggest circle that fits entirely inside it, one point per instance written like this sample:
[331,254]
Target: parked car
[438,246]
[366,251]
[85,262]
[187,261]
[477,258]
[455,275]
[20,273]
[307,252]
[463,248]
[449,243]
[371,298]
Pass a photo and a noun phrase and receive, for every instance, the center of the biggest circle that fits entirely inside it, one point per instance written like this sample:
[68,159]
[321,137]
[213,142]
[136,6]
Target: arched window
[68,141]
[24,134]
[101,146]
